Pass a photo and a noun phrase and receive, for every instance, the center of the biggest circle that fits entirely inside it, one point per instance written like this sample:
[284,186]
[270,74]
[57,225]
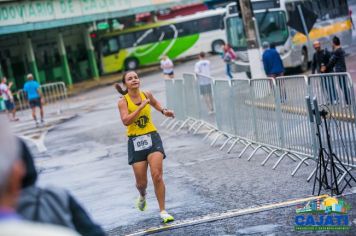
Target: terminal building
[53,39]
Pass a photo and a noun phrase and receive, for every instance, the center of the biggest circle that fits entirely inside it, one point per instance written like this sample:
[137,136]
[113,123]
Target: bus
[179,37]
[272,16]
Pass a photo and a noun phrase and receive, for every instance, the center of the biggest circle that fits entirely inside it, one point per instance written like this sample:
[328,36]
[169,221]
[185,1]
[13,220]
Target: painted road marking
[38,140]
[225,215]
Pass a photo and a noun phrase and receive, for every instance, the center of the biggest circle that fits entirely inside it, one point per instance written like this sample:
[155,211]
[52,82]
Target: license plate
[142,142]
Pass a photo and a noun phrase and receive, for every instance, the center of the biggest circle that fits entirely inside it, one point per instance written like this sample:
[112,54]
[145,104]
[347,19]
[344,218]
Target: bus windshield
[272,28]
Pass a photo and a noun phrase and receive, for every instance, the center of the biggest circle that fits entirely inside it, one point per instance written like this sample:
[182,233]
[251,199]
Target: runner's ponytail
[120,90]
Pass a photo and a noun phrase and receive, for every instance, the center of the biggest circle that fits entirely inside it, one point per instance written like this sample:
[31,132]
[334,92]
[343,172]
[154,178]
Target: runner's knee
[157,176]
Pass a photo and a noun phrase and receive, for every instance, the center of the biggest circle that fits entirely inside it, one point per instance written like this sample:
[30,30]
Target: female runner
[144,145]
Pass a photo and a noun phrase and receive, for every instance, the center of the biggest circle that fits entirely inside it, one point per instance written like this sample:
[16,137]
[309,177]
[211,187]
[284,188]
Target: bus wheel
[216,46]
[304,57]
[131,64]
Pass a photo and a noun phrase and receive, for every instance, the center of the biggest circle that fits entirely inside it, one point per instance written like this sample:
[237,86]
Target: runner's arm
[128,119]
[156,104]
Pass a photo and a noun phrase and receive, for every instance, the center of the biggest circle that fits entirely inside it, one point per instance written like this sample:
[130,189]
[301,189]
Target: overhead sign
[23,12]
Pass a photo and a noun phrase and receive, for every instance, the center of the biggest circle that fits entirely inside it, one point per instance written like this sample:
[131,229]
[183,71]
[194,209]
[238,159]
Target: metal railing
[269,114]
[54,96]
[335,94]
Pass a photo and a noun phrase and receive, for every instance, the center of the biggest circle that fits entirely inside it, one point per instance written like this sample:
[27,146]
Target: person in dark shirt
[321,58]
[337,64]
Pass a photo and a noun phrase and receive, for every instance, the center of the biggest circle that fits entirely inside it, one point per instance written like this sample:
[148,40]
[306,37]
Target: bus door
[111,61]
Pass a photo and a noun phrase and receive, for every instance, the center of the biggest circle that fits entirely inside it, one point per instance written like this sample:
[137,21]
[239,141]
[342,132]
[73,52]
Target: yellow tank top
[143,123]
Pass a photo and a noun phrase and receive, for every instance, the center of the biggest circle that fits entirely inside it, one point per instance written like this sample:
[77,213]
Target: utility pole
[252,39]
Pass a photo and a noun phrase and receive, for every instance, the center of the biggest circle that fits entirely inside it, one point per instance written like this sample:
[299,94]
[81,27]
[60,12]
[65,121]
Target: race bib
[142,142]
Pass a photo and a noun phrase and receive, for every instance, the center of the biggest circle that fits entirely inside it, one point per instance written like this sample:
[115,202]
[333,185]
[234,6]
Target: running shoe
[141,203]
[166,217]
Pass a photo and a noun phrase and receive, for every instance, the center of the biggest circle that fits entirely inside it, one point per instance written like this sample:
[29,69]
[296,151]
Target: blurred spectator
[337,64]
[337,60]
[5,92]
[321,58]
[228,56]
[51,205]
[202,70]
[167,67]
[34,96]
[273,65]
[272,62]
[11,174]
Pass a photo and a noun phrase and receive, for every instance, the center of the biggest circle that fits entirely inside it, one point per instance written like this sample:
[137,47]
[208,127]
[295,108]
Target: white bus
[180,37]
[272,17]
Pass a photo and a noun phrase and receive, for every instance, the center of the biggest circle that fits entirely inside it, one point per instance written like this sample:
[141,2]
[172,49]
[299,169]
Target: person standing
[202,71]
[273,66]
[228,56]
[321,58]
[5,91]
[167,67]
[337,64]
[272,62]
[145,148]
[34,96]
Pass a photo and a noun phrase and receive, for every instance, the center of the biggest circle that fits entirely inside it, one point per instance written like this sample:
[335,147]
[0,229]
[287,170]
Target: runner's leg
[155,161]
[140,171]
[41,111]
[34,113]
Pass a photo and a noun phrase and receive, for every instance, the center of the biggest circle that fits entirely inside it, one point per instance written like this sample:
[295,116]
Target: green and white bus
[272,17]
[180,37]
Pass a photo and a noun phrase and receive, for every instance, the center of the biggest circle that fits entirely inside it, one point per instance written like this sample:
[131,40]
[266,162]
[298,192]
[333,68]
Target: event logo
[323,214]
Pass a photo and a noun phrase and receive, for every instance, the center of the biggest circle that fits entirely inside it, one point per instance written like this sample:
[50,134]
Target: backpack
[50,205]
[232,54]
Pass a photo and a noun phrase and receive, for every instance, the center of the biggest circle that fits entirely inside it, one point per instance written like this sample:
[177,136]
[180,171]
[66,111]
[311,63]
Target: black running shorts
[139,147]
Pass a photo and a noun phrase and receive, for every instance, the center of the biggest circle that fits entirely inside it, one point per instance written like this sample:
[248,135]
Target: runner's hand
[168,113]
[42,101]
[145,102]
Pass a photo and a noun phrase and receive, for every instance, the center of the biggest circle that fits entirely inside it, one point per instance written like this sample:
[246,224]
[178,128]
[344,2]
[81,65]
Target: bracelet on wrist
[163,110]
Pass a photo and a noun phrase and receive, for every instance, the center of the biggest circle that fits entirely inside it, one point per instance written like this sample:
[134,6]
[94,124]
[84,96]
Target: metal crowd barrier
[224,114]
[335,94]
[176,90]
[54,95]
[195,107]
[270,114]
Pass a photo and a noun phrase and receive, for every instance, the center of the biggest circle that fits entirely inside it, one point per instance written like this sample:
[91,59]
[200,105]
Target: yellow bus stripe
[321,32]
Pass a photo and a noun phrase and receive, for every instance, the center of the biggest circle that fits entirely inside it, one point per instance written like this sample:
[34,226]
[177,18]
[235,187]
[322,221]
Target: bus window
[127,40]
[110,46]
[235,33]
[165,32]
[209,23]
[187,28]
[272,27]
[146,36]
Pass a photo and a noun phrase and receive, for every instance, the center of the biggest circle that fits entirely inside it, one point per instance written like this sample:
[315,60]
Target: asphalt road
[86,152]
